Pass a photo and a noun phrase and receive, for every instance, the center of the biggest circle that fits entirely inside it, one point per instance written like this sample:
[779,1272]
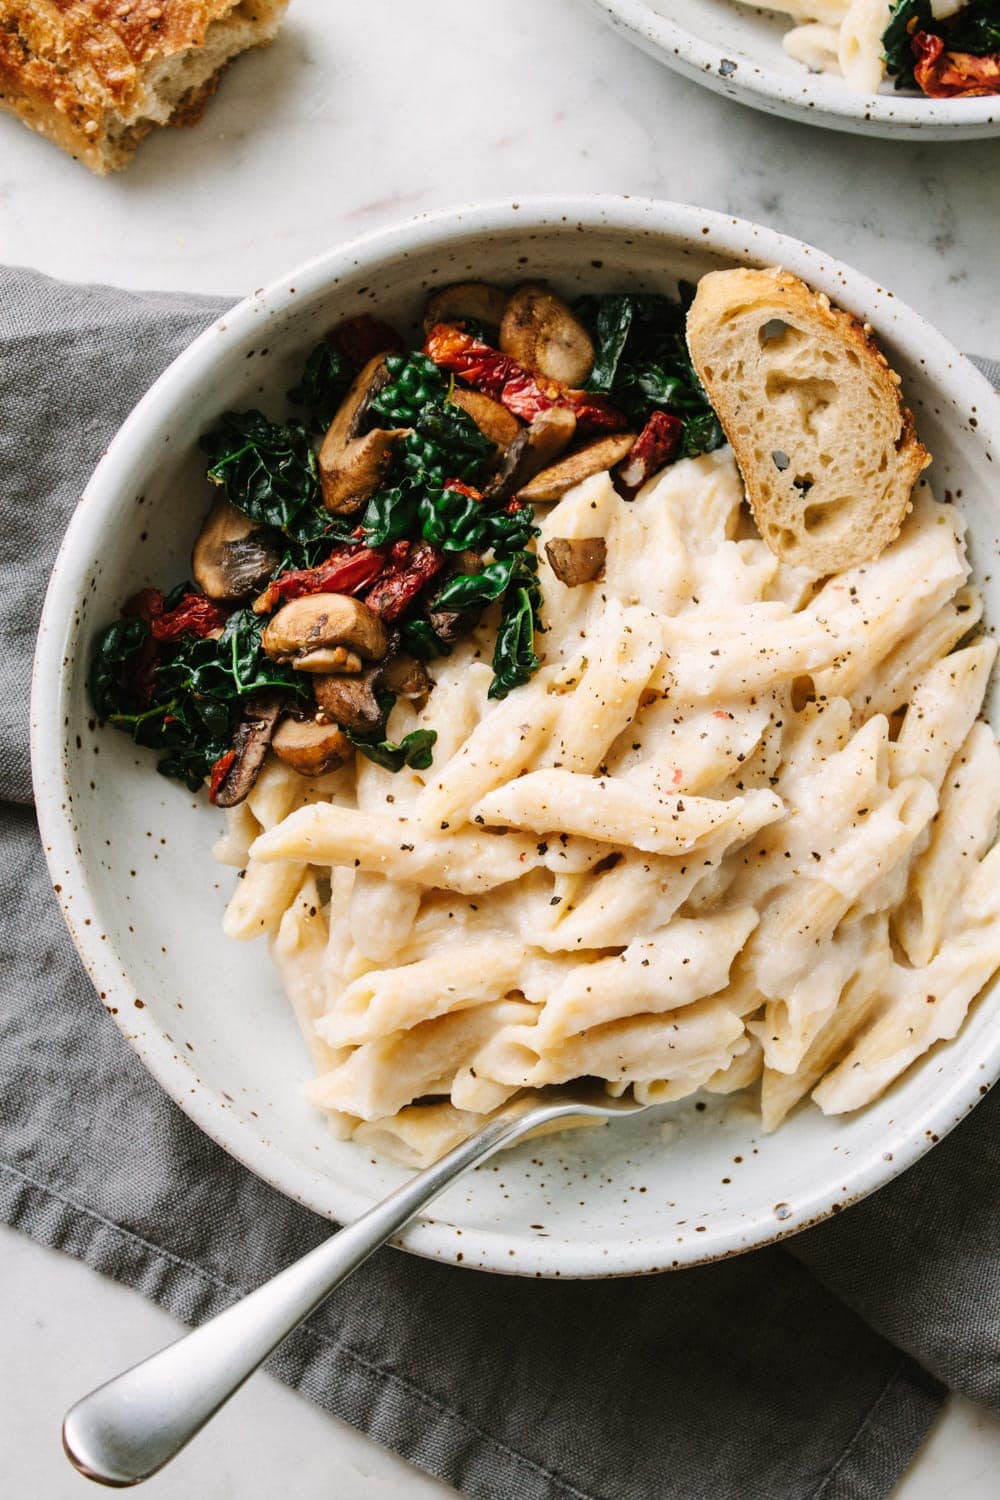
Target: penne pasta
[738,828]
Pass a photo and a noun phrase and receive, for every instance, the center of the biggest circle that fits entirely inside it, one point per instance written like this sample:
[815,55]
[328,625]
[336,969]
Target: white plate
[129,852]
[737,52]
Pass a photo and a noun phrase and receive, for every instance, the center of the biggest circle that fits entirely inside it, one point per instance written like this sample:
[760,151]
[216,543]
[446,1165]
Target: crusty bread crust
[96,76]
[828,451]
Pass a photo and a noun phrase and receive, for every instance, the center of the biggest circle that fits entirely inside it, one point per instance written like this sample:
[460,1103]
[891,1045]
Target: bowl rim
[958,1090]
[844,109]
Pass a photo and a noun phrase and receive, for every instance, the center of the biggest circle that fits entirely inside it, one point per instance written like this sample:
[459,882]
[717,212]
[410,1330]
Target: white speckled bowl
[129,853]
[737,51]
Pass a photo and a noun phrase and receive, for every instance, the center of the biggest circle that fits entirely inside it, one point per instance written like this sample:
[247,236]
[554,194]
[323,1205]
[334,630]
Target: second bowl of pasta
[851,65]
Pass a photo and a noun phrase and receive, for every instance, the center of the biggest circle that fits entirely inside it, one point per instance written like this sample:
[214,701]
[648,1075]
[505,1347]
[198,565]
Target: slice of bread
[827,450]
[96,76]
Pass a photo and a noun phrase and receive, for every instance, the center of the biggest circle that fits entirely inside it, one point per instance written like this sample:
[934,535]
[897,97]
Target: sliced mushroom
[534,449]
[552,484]
[232,555]
[252,737]
[352,466]
[466,299]
[493,420]
[325,633]
[361,392]
[350,475]
[576,560]
[447,624]
[538,330]
[467,561]
[309,747]
[408,678]
[351,701]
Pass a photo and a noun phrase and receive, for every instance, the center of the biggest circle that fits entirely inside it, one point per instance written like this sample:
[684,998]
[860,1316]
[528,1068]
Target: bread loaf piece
[96,76]
[827,450]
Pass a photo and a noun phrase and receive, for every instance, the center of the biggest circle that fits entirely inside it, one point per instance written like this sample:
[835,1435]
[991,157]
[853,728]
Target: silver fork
[127,1429]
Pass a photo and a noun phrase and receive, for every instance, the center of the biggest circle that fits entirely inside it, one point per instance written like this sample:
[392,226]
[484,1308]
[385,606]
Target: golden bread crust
[96,76]
[826,446]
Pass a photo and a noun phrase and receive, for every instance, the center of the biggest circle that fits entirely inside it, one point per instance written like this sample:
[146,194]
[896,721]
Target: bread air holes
[822,519]
[776,333]
[808,395]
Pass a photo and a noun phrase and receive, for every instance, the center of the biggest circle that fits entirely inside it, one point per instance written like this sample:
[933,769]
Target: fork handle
[126,1430]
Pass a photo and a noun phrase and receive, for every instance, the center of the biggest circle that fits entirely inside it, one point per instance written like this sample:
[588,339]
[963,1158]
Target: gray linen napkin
[803,1371]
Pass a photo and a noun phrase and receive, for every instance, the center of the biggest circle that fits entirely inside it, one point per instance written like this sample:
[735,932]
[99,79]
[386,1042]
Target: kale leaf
[897,39]
[415,749]
[702,434]
[391,514]
[514,658]
[113,659]
[243,659]
[612,320]
[419,637]
[462,523]
[975,28]
[447,518]
[414,382]
[268,471]
[445,442]
[188,702]
[322,385]
[474,590]
[642,364]
[452,520]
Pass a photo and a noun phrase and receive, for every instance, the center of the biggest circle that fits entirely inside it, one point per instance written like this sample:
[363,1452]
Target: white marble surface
[359,115]
[65,1329]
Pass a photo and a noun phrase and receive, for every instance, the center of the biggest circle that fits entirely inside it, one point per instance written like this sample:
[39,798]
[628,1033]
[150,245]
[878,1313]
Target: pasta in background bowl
[791,60]
[691,1182]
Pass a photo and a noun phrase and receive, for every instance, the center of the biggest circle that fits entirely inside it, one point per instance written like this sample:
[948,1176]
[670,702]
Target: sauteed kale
[352,544]
[268,470]
[951,57]
[641,362]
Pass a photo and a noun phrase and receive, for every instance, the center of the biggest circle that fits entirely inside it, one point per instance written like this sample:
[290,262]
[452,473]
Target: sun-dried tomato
[346,571]
[361,337]
[397,560]
[654,448]
[394,591]
[953,75]
[220,771]
[139,672]
[196,614]
[526,393]
[146,605]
